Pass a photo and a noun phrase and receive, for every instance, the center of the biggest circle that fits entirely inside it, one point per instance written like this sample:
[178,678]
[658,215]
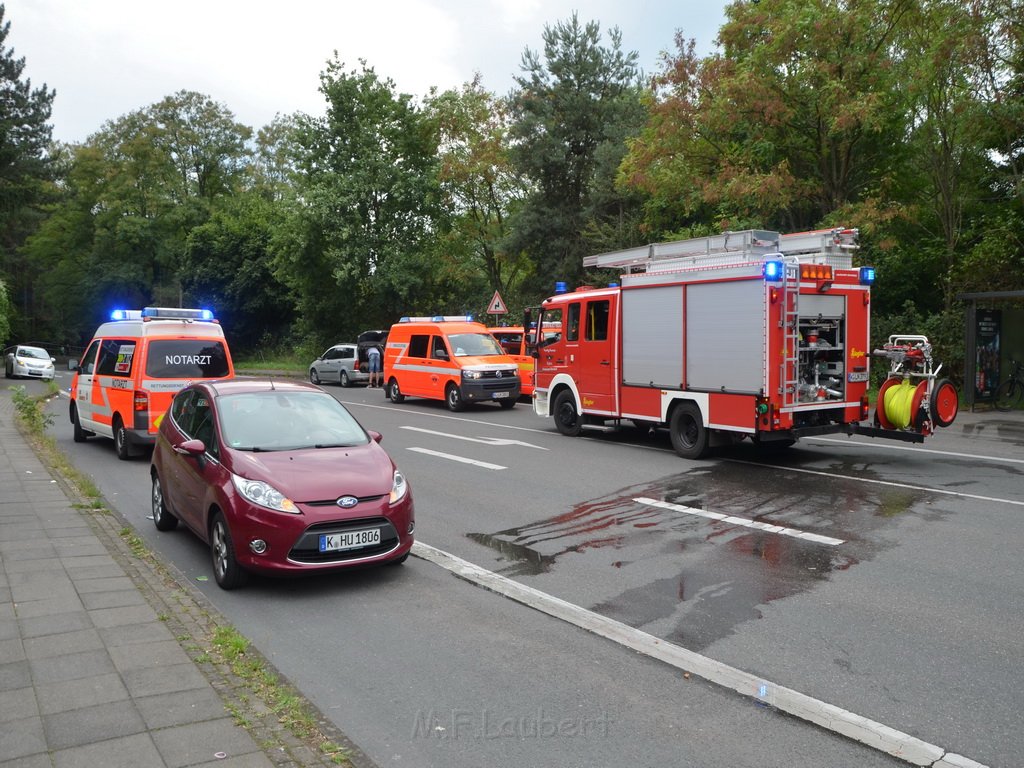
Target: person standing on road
[373,366]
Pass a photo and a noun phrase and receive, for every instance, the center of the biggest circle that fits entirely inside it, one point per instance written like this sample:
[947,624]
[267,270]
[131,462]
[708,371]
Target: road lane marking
[904,486]
[498,441]
[912,449]
[828,716]
[453,457]
[732,520]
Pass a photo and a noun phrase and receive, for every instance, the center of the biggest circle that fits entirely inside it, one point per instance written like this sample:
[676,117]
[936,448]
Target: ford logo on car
[347,502]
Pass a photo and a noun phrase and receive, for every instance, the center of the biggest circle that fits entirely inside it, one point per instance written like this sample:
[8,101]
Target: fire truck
[751,334]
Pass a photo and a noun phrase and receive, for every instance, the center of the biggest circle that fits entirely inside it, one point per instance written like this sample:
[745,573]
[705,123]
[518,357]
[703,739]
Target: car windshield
[474,345]
[34,352]
[287,421]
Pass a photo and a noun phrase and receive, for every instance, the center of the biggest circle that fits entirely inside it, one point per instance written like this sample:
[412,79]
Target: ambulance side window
[573,334]
[597,320]
[419,344]
[88,364]
[116,356]
[438,351]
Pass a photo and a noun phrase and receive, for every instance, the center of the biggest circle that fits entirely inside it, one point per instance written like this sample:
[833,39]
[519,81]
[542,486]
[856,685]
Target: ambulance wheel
[453,399]
[79,434]
[226,570]
[314,377]
[944,403]
[162,517]
[395,393]
[687,431]
[121,445]
[343,379]
[567,418]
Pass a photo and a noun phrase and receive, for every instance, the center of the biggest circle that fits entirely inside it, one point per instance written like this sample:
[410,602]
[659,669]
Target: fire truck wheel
[453,399]
[567,418]
[686,428]
[79,434]
[124,451]
[395,393]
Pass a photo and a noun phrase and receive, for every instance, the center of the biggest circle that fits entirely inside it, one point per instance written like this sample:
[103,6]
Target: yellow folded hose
[897,403]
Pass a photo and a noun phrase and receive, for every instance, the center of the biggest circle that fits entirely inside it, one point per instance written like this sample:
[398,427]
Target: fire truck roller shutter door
[725,327]
[652,337]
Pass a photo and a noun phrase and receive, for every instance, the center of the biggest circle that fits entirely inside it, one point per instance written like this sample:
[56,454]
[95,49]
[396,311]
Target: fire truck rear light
[864,409]
[867,275]
[141,400]
[816,272]
[773,271]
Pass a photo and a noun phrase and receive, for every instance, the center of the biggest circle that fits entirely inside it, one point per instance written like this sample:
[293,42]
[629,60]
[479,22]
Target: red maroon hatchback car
[278,477]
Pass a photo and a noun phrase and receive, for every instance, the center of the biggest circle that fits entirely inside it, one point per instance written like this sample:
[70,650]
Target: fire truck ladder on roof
[830,246]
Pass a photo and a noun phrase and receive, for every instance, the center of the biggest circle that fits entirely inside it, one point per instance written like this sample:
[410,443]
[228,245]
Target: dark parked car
[278,477]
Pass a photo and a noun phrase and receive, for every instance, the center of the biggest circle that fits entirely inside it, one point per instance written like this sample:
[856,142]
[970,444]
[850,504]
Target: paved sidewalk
[94,669]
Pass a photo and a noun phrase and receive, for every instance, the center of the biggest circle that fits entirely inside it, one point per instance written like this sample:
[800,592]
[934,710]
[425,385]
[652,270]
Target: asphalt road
[902,606]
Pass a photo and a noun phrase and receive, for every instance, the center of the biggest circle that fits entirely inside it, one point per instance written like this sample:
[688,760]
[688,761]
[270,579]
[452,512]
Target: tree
[355,248]
[571,113]
[25,171]
[798,117]
[480,191]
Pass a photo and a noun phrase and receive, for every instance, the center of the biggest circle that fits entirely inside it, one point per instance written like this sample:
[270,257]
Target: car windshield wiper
[333,445]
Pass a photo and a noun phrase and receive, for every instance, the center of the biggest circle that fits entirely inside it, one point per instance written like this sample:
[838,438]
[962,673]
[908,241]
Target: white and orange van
[135,364]
[448,358]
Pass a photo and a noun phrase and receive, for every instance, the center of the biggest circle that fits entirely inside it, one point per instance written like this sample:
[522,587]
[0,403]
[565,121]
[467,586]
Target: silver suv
[340,364]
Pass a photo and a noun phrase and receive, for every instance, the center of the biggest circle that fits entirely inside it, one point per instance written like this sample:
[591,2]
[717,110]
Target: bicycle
[1010,394]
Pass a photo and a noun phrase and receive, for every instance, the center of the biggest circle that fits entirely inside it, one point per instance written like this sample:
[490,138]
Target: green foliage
[5,313]
[30,411]
[571,114]
[945,332]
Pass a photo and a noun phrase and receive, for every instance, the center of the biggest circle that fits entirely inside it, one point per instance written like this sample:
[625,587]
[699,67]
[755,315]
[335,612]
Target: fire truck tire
[945,403]
[567,418]
[124,450]
[395,393]
[687,431]
[453,399]
[80,435]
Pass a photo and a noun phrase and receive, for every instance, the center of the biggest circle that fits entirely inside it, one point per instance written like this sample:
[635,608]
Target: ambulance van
[135,364]
[448,358]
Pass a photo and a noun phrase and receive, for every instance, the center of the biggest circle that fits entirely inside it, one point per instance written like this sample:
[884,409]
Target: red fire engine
[746,334]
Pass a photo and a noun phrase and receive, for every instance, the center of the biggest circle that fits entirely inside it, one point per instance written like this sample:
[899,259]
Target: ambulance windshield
[186,359]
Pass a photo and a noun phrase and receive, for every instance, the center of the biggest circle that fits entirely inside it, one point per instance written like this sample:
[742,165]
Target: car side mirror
[73,365]
[374,435]
[53,359]
[191,448]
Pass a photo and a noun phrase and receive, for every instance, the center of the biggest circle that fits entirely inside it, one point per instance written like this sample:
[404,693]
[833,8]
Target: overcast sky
[106,58]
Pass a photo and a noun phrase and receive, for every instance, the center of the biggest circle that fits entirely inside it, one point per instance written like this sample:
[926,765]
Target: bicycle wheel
[1009,394]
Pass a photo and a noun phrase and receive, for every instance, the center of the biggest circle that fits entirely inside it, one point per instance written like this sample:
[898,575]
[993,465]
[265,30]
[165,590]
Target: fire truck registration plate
[497,395]
[861,376]
[334,542]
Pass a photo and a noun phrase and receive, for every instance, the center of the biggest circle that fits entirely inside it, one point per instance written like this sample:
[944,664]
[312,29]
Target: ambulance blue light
[119,314]
[773,271]
[867,275]
[206,314]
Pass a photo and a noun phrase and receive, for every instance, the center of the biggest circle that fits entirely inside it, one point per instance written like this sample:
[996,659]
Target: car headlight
[472,374]
[264,495]
[399,488]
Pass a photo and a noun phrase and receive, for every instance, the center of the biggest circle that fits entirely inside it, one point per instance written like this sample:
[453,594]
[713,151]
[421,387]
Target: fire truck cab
[749,334]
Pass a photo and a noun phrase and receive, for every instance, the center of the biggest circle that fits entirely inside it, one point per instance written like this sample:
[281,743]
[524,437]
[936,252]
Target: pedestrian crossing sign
[497,306]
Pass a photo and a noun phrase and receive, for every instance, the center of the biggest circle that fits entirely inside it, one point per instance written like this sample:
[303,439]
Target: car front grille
[307,548]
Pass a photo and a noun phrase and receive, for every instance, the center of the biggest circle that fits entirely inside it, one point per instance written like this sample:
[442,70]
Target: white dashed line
[461,459]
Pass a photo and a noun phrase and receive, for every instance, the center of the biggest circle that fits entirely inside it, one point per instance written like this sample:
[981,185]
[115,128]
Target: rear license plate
[855,377]
[335,542]
[498,395]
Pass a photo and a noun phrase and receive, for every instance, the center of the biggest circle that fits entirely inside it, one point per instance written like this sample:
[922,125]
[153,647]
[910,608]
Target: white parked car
[31,362]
